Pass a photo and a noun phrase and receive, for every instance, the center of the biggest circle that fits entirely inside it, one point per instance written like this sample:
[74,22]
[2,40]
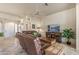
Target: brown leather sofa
[31,32]
[30,44]
[44,43]
[28,32]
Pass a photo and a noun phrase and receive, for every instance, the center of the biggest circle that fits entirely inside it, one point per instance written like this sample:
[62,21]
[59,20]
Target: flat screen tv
[53,28]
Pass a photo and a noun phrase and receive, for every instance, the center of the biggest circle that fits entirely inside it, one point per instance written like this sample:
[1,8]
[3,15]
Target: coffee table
[55,49]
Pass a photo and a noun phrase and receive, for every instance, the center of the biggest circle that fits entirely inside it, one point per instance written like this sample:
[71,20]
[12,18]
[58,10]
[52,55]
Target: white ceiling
[23,9]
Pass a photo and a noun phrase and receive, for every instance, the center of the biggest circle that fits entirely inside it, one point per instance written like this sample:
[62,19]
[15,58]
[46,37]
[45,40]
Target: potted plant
[1,34]
[68,34]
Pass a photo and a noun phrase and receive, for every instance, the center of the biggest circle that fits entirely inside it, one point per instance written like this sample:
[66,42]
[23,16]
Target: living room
[37,17]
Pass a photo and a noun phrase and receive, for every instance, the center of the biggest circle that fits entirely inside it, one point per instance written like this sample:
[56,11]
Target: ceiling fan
[37,12]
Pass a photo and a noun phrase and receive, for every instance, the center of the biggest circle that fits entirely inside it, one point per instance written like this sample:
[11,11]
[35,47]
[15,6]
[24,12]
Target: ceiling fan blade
[37,13]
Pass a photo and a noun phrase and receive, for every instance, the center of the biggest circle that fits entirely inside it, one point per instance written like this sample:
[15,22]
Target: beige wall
[64,18]
[77,26]
[35,21]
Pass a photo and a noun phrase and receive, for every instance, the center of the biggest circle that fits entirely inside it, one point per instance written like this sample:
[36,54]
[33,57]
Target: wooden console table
[54,35]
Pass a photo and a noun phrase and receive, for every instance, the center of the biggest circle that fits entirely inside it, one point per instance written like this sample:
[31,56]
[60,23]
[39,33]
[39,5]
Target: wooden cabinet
[54,35]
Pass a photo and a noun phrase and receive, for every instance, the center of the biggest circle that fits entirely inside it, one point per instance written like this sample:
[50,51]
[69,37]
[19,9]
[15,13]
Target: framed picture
[33,26]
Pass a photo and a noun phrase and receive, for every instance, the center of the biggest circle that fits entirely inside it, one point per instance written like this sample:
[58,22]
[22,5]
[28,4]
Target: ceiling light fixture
[37,10]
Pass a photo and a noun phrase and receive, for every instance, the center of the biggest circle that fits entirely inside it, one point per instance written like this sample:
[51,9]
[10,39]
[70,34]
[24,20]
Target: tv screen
[53,28]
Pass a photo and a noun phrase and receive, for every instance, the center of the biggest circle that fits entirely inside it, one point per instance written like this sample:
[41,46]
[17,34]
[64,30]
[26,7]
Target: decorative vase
[69,43]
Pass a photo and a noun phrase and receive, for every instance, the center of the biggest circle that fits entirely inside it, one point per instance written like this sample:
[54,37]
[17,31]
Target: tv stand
[54,35]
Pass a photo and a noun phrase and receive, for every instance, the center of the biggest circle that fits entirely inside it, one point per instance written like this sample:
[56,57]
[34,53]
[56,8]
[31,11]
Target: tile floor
[11,46]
